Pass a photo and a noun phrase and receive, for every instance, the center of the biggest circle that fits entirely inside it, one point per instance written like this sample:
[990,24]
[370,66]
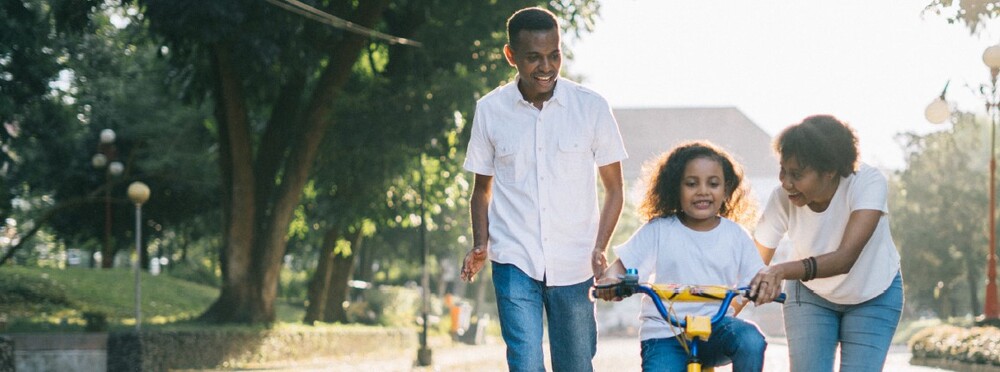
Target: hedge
[240,348]
[976,345]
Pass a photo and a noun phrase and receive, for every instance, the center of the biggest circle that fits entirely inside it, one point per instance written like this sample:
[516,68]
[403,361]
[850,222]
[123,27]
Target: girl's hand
[607,294]
[766,285]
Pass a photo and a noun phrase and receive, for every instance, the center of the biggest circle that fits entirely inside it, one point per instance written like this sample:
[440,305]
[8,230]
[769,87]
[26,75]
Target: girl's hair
[663,195]
[820,142]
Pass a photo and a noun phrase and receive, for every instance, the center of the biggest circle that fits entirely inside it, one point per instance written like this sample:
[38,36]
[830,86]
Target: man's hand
[599,263]
[474,261]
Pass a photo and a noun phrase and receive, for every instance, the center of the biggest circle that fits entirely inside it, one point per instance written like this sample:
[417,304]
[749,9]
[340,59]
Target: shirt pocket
[575,158]
[506,162]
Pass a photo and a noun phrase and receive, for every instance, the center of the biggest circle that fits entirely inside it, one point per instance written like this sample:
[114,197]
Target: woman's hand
[766,285]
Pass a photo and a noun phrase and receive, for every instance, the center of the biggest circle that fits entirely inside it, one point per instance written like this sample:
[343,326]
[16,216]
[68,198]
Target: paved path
[614,354]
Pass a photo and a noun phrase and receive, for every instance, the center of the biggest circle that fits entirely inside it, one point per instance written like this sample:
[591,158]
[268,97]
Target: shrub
[975,345]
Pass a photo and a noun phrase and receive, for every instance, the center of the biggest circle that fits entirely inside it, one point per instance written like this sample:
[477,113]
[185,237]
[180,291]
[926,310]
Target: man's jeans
[732,340]
[815,326]
[570,316]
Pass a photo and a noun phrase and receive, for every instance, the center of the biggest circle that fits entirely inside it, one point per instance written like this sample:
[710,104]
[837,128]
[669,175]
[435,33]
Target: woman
[843,276]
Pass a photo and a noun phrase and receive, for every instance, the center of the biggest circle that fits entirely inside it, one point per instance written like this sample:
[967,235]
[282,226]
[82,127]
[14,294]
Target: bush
[975,345]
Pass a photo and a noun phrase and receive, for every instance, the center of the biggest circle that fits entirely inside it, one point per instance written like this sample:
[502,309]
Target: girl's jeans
[815,326]
[733,340]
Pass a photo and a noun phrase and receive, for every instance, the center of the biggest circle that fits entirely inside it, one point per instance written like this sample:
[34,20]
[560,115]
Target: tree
[939,210]
[274,79]
[971,13]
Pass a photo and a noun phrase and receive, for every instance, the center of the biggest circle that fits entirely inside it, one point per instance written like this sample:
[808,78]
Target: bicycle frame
[696,328]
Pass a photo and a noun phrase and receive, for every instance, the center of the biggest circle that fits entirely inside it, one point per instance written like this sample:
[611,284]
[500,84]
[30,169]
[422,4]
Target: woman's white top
[815,233]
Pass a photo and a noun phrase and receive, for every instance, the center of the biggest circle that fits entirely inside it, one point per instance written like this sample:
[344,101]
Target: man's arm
[614,198]
[482,192]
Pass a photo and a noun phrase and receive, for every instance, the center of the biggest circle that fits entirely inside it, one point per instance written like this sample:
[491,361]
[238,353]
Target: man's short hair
[531,19]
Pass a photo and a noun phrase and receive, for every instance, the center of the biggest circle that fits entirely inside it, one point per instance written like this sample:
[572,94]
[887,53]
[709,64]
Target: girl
[843,280]
[695,193]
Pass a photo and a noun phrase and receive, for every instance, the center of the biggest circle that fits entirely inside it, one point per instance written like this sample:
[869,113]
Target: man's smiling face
[537,54]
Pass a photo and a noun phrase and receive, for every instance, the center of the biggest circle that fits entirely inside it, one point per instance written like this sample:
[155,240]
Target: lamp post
[138,193]
[424,354]
[106,152]
[938,112]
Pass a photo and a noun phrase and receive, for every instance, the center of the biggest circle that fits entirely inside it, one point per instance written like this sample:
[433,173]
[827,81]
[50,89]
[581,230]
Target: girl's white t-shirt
[666,252]
[812,234]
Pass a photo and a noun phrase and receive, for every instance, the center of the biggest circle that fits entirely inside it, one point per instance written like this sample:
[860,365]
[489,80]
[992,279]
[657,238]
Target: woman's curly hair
[664,177]
[820,142]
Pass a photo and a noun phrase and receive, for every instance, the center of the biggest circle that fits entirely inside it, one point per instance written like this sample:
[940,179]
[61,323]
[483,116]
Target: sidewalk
[613,354]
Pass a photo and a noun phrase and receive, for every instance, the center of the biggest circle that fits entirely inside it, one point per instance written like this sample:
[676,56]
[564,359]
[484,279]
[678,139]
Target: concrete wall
[84,352]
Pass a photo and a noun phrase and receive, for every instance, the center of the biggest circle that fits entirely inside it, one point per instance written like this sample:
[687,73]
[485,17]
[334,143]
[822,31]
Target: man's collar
[559,95]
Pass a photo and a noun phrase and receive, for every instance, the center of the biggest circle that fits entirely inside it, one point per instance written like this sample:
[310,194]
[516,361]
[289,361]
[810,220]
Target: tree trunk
[236,302]
[972,278]
[255,237]
[320,283]
[343,270]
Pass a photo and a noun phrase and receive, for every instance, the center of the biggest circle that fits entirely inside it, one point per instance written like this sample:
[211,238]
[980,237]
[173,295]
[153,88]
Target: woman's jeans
[815,326]
[733,340]
[570,316]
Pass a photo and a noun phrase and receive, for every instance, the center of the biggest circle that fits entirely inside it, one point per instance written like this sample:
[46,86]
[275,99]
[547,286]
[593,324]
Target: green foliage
[50,296]
[970,13]
[938,214]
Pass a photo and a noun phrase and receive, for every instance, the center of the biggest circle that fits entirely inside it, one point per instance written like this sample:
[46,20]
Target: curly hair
[820,142]
[664,177]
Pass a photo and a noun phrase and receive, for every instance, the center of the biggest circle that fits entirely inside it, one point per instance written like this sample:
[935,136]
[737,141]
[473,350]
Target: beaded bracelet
[810,269]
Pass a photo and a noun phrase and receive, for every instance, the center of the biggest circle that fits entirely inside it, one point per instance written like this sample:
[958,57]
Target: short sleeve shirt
[543,214]
[812,234]
[664,251]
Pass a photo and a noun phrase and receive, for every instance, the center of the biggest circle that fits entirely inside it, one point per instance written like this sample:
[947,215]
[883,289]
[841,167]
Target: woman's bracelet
[810,269]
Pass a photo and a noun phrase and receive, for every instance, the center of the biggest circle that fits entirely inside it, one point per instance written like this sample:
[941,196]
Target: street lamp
[106,152]
[138,193]
[424,353]
[937,112]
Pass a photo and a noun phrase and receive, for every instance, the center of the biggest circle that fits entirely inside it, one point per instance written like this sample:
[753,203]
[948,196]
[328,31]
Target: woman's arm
[860,227]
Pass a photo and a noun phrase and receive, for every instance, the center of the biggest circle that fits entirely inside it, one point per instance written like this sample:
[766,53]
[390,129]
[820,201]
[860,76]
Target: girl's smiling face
[703,192]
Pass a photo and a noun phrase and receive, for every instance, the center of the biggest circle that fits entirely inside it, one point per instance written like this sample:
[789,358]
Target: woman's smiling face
[806,186]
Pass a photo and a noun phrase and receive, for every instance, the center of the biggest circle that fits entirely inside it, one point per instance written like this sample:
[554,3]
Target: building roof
[648,132]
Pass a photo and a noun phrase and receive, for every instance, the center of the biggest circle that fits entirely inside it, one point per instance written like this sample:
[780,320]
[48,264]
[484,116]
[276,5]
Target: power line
[317,15]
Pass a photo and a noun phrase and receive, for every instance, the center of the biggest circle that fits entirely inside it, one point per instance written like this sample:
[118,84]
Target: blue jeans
[569,312]
[815,326]
[733,340]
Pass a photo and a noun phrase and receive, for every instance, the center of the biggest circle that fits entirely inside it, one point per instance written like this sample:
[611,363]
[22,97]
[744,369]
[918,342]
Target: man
[534,146]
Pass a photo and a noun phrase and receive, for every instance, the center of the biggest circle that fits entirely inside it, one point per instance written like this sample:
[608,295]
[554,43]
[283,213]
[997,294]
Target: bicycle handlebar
[630,285]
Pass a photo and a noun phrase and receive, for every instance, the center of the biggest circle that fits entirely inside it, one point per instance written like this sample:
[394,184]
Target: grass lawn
[38,299]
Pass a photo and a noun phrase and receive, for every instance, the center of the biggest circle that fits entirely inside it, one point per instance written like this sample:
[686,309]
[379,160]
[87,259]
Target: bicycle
[697,329]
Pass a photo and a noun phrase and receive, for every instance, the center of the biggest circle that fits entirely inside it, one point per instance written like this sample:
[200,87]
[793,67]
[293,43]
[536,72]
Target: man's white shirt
[544,213]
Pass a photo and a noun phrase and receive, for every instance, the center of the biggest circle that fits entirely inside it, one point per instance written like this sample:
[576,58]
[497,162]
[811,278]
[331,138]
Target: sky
[874,64]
